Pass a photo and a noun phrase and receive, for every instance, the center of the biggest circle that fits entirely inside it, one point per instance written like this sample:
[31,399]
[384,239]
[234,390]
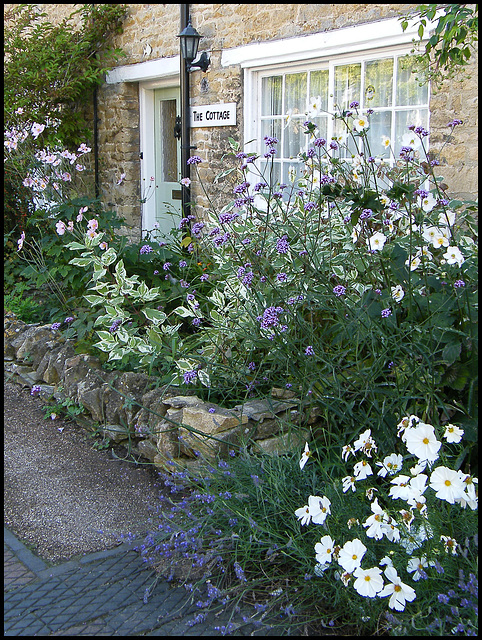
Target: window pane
[169,170]
[271,172]
[347,84]
[296,89]
[319,87]
[408,90]
[380,126]
[403,119]
[346,144]
[271,128]
[294,137]
[322,125]
[271,96]
[291,170]
[378,83]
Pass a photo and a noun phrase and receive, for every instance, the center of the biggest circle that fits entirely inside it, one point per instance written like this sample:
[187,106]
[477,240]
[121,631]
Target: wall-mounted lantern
[189,39]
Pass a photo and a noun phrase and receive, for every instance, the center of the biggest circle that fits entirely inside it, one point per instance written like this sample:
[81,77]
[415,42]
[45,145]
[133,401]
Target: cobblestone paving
[101,594]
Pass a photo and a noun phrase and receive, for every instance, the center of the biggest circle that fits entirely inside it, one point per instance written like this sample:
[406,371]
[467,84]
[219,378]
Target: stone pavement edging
[105,593]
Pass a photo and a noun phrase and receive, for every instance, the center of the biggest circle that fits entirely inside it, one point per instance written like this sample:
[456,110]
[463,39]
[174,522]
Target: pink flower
[37,129]
[20,240]
[60,226]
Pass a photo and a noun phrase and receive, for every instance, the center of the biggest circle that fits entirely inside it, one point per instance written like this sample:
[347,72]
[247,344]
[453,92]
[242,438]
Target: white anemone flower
[315,106]
[391,465]
[377,241]
[401,488]
[427,203]
[319,508]
[316,510]
[351,555]
[369,582]
[417,566]
[421,441]
[365,442]
[447,218]
[348,483]
[362,470]
[303,514]
[361,123]
[453,433]
[453,255]
[470,496]
[324,550]
[399,592]
[447,484]
[305,455]
[397,293]
[376,521]
[410,139]
[414,261]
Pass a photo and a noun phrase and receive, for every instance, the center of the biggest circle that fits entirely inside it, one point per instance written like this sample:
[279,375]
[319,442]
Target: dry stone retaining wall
[161,425]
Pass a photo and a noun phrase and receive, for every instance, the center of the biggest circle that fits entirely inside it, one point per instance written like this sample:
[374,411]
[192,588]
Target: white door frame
[147,142]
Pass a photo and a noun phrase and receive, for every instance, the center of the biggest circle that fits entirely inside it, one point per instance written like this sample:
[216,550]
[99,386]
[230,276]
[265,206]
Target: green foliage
[49,75]
[67,409]
[51,68]
[451,45]
[23,306]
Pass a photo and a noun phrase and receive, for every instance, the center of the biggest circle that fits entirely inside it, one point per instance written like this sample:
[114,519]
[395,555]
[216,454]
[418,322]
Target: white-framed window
[381,83]
[312,77]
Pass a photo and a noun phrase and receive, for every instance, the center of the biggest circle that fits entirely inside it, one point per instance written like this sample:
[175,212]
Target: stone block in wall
[260,409]
[90,392]
[122,402]
[147,450]
[115,432]
[212,422]
[280,444]
[166,432]
[46,369]
[271,426]
[33,343]
[23,333]
[208,448]
[59,363]
[76,368]
[153,409]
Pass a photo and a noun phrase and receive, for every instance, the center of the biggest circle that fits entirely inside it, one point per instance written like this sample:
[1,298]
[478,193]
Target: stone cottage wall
[229,25]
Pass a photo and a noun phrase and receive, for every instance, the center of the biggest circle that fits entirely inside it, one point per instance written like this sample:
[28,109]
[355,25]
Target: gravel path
[61,496]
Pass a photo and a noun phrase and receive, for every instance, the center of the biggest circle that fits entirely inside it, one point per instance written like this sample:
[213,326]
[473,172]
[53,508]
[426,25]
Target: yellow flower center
[367,578]
[354,557]
[447,483]
[397,587]
[426,441]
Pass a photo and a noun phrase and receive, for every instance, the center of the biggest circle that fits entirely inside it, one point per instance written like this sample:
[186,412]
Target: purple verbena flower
[282,245]
[339,290]
[190,376]
[194,160]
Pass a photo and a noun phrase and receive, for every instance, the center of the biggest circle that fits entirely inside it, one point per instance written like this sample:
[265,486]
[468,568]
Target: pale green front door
[167,158]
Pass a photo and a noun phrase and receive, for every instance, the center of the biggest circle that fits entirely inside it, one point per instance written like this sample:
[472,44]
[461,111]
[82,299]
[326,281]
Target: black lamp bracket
[203,63]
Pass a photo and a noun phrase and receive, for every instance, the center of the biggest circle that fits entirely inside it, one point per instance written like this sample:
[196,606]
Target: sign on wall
[214,115]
